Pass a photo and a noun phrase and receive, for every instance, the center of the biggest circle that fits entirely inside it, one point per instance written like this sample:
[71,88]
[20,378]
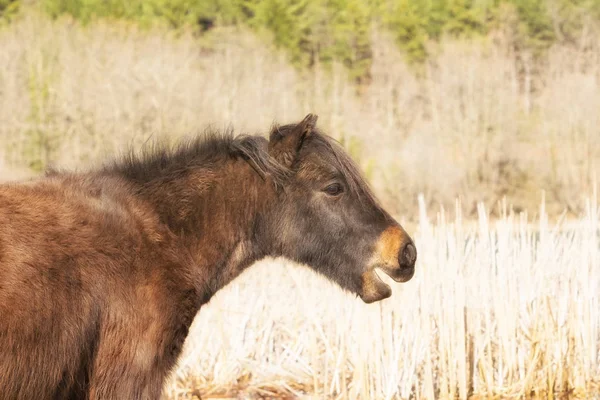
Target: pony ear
[285,141]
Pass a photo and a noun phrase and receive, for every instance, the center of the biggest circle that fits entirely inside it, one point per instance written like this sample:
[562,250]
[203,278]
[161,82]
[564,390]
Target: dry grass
[478,124]
[505,309]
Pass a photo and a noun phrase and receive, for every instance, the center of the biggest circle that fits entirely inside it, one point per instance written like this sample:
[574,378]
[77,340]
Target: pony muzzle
[396,255]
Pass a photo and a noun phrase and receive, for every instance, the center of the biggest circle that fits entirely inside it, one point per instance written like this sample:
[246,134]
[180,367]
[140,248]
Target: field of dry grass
[478,121]
[500,306]
[497,309]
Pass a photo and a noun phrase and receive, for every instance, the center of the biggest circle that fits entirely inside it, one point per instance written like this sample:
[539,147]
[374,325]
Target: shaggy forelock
[330,148]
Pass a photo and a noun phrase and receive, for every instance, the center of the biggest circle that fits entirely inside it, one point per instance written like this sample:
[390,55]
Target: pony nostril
[408,256]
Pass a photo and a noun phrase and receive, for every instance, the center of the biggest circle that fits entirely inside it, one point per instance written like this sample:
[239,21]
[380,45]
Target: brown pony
[102,273]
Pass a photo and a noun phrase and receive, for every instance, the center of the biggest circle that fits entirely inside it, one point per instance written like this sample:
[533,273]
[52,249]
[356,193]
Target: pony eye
[334,189]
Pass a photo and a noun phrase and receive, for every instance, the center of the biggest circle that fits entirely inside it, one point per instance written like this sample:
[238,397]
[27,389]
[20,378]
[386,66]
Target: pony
[103,271]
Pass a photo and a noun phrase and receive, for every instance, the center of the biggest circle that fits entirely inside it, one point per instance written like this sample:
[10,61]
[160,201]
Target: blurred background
[477,99]
[487,108]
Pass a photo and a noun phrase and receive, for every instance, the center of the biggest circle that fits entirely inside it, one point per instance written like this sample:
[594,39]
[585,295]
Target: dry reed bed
[478,123]
[506,309]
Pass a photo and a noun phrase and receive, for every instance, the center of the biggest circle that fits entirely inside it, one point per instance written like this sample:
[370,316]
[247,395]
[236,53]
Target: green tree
[317,30]
[408,22]
[348,28]
[536,26]
[463,18]
[8,8]
[289,23]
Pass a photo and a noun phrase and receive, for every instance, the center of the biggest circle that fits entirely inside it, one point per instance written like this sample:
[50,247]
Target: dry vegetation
[505,309]
[502,307]
[482,122]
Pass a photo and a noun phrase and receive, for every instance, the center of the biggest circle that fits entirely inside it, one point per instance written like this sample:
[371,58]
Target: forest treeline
[321,31]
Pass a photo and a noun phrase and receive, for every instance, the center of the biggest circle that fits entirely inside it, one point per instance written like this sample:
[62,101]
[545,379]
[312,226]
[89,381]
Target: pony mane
[164,161]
